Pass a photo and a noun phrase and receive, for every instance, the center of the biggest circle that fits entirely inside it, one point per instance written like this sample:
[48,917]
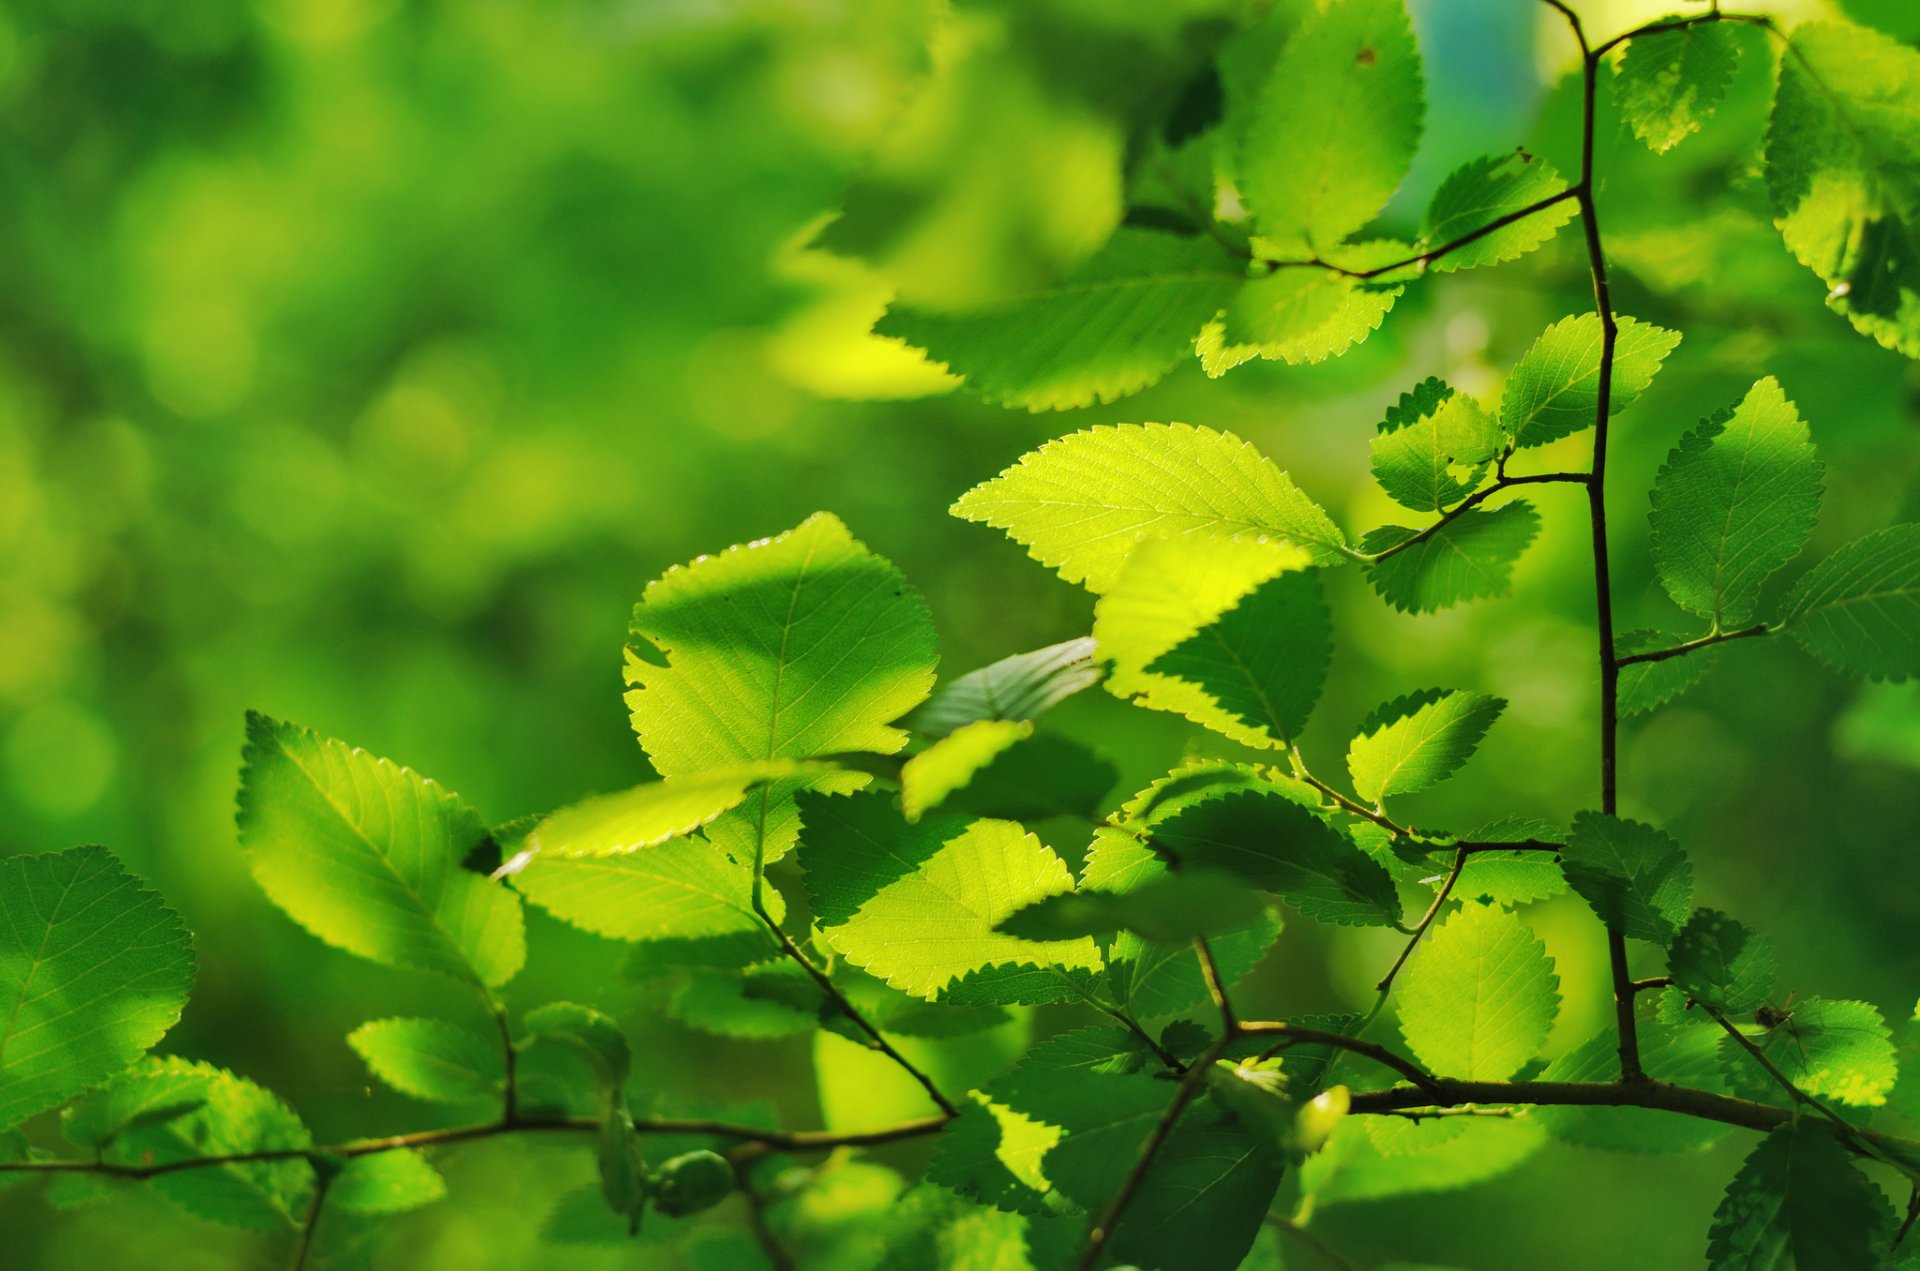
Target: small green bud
[688,1184]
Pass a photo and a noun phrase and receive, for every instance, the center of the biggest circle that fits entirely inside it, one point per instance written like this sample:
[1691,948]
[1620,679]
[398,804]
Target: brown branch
[1298,1035]
[1460,855]
[1502,482]
[1431,254]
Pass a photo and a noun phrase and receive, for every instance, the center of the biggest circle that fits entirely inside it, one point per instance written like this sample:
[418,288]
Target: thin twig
[304,1244]
[1460,856]
[1350,806]
[1311,1240]
[1913,1212]
[1704,642]
[1431,254]
[510,1093]
[1216,989]
[1472,501]
[756,1205]
[1295,1034]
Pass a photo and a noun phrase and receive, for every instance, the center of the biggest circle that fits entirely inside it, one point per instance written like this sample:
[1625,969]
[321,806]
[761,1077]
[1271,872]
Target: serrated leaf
[1303,315]
[1858,610]
[1637,878]
[917,905]
[1334,124]
[1830,1049]
[797,646]
[726,1003]
[1278,846]
[94,969]
[1471,557]
[1645,686]
[368,856]
[1798,1202]
[430,1059]
[927,779]
[1202,1201]
[1721,964]
[1080,504]
[1736,501]
[1839,168]
[1044,776]
[234,1116]
[1434,446]
[1669,83]
[1510,878]
[1478,998]
[1684,1053]
[649,814]
[1115,326]
[386,1183]
[1554,390]
[1232,635]
[1430,1156]
[1418,741]
[1022,687]
[1170,908]
[1484,190]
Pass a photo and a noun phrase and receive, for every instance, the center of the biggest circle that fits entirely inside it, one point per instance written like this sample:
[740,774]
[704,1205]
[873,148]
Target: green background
[360,361]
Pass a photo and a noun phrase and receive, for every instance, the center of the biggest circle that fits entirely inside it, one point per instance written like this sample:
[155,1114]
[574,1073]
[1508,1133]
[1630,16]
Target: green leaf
[1170,908]
[917,905]
[1554,391]
[430,1059]
[1799,1202]
[1830,1049]
[1636,877]
[1080,504]
[1839,168]
[646,815]
[1478,998]
[368,856]
[588,1033]
[1303,315]
[1670,82]
[1483,191]
[777,1000]
[233,1116]
[687,893]
[1203,1200]
[1645,686]
[1118,324]
[1232,635]
[1736,501]
[1719,963]
[1022,687]
[1278,846]
[94,969]
[801,645]
[1685,1053]
[1044,776]
[1509,878]
[951,763]
[1434,446]
[1858,610]
[1334,125]
[1418,741]
[1471,557]
[1427,1156]
[386,1183]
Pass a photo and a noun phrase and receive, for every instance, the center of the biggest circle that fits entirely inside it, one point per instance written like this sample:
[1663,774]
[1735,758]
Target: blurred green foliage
[361,359]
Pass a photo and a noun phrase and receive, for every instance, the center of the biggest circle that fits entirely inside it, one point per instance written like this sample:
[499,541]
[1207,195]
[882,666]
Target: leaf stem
[1501,482]
[1460,856]
[1295,1034]
[1431,254]
[303,1246]
[1704,642]
[1216,989]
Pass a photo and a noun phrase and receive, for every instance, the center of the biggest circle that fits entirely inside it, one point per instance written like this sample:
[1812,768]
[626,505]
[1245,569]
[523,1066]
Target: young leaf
[1081,503]
[1554,391]
[1858,610]
[1117,325]
[1232,635]
[232,1116]
[1482,192]
[686,891]
[1799,1202]
[800,645]
[1418,741]
[1302,315]
[368,856]
[1470,557]
[1720,964]
[917,905]
[1647,685]
[1831,1050]
[1334,125]
[649,814]
[386,1183]
[1668,83]
[1278,846]
[1433,448]
[1846,197]
[94,969]
[1735,501]
[430,1059]
[927,779]
[1636,877]
[1022,687]
[1477,1000]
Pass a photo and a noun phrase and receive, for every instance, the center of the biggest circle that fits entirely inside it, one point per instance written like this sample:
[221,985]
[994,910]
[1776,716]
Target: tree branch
[1430,255]
[1297,1035]
[1216,989]
[1460,855]
[1704,642]
[1502,482]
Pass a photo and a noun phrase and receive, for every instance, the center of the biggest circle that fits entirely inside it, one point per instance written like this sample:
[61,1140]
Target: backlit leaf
[1858,610]
[1471,557]
[1799,1202]
[1554,390]
[1636,877]
[1483,191]
[1479,996]
[1670,82]
[1418,741]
